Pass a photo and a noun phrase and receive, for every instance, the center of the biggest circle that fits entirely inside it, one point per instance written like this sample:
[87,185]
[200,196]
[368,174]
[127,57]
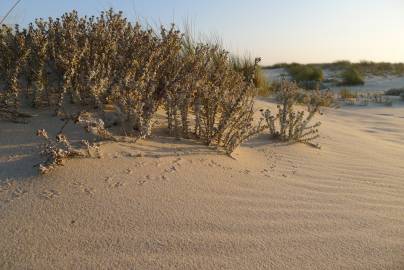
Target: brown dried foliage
[57,151]
[108,61]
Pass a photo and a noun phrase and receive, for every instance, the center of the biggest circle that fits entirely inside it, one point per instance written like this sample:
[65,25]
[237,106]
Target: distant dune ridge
[378,77]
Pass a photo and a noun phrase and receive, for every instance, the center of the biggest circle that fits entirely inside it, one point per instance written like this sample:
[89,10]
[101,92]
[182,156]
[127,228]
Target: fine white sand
[169,204]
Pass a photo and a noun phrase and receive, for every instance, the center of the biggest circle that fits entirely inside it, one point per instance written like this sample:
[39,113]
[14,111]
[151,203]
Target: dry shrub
[364,98]
[13,55]
[106,61]
[222,99]
[57,151]
[347,94]
[93,125]
[293,126]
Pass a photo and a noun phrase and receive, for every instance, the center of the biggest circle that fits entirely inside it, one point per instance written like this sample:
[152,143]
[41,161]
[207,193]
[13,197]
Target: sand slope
[168,204]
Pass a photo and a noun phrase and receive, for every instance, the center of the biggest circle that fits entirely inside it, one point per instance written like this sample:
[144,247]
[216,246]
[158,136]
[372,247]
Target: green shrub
[395,92]
[351,76]
[369,67]
[302,73]
[261,82]
[338,65]
[278,65]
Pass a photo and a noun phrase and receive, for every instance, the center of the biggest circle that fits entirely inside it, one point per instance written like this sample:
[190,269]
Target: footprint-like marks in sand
[87,190]
[213,164]
[13,191]
[171,169]
[49,194]
[112,184]
[5,186]
[141,182]
[266,173]
[18,193]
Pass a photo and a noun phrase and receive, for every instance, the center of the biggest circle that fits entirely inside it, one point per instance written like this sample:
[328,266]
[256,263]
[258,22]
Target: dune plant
[56,151]
[363,67]
[37,72]
[351,76]
[247,67]
[395,92]
[108,62]
[345,94]
[305,73]
[221,98]
[14,52]
[291,125]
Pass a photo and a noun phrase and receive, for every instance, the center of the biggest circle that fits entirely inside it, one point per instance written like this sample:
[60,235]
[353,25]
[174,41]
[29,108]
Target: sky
[305,31]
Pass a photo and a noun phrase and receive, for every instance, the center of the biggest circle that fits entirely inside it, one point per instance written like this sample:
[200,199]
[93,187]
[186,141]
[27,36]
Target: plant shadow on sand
[265,140]
[19,145]
[162,144]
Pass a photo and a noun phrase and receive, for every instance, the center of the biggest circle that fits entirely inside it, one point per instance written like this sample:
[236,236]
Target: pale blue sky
[278,30]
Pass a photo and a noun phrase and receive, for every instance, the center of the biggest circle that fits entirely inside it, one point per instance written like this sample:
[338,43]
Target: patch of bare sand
[168,204]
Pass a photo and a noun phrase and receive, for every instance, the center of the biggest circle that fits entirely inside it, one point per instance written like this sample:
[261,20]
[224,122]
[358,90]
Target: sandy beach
[164,203]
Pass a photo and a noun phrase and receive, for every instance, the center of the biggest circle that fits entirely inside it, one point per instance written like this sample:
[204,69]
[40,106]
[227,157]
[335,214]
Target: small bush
[57,151]
[351,77]
[221,97]
[294,126]
[261,82]
[395,92]
[304,73]
[388,102]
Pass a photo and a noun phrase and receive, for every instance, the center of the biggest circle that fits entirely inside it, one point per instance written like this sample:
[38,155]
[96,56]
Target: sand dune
[169,204]
[373,83]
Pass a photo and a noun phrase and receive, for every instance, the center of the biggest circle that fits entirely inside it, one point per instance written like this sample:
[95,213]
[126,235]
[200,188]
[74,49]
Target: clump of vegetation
[13,56]
[347,94]
[107,62]
[364,99]
[247,67]
[338,65]
[351,76]
[56,151]
[363,67]
[395,92]
[304,73]
[368,67]
[290,125]
[381,69]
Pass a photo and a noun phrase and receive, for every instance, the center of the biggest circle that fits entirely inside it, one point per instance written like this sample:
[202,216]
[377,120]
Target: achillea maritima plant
[104,61]
[57,151]
[290,125]
[13,53]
